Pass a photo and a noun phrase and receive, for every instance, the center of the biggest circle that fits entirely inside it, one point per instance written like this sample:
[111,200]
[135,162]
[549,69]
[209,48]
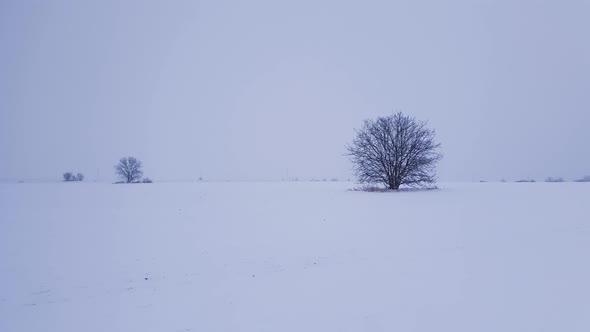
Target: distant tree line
[548,179]
[393,151]
[127,170]
[552,179]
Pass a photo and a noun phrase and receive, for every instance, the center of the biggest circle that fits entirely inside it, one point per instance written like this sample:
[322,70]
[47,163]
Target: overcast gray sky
[249,90]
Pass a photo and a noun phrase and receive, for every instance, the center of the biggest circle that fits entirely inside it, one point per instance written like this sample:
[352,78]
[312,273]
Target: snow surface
[294,257]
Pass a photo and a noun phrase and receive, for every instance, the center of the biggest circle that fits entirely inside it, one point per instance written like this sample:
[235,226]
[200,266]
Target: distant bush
[146,180]
[71,177]
[584,179]
[550,179]
[523,181]
[68,176]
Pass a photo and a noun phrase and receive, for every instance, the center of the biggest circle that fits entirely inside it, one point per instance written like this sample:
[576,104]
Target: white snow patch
[294,257]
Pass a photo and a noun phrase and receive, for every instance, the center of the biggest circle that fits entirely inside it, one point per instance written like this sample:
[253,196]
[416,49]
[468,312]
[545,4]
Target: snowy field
[294,257]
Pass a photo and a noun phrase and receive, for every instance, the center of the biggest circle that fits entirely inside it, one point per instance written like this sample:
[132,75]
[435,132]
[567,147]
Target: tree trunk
[393,185]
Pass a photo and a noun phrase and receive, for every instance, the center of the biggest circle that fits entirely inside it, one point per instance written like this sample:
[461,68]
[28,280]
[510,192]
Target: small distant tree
[584,179]
[395,150]
[129,169]
[68,176]
[80,177]
[147,180]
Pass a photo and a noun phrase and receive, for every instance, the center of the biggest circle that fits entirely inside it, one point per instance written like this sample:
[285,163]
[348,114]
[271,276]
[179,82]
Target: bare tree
[395,150]
[129,169]
[80,177]
[68,176]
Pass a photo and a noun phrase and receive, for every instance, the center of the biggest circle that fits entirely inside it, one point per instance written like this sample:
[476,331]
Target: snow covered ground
[294,257]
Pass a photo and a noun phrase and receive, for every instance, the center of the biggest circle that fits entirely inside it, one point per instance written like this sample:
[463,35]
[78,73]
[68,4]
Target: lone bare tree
[395,150]
[129,169]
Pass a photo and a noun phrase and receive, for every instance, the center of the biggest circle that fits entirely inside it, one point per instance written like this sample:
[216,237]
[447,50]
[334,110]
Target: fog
[266,90]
